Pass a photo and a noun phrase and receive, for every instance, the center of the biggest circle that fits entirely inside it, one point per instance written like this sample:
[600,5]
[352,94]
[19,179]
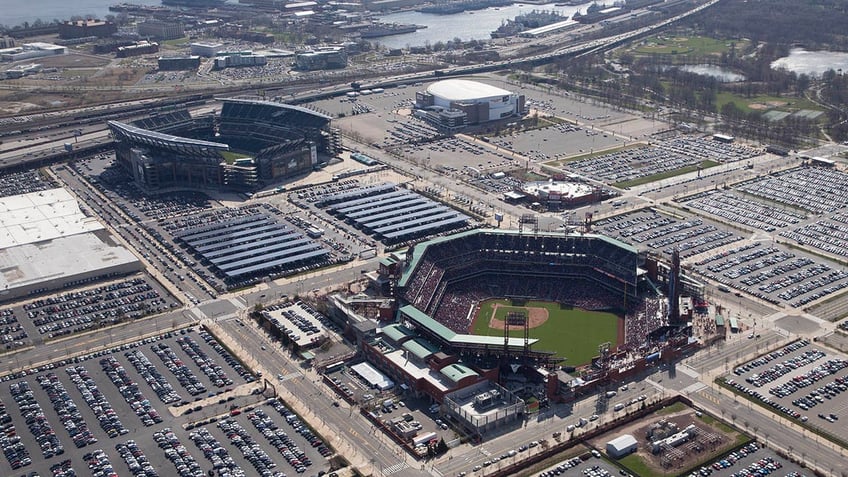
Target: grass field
[571,332]
[665,175]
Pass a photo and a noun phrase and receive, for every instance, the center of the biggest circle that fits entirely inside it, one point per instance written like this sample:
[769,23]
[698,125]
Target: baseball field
[572,333]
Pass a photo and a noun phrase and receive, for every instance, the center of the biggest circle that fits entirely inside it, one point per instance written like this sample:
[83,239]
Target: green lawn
[764,103]
[694,45]
[664,175]
[571,332]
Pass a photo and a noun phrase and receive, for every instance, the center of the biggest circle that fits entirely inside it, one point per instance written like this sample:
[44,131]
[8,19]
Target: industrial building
[207,50]
[161,30]
[179,63]
[87,28]
[621,446]
[330,57]
[47,243]
[455,103]
[235,61]
[31,50]
[140,48]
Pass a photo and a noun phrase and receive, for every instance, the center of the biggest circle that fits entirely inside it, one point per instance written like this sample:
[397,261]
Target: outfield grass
[571,332]
[230,156]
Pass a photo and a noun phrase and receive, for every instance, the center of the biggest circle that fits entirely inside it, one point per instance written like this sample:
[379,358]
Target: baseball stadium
[547,297]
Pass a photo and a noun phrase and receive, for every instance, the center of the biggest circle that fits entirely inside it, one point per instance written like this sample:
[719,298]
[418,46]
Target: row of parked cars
[764,399]
[785,367]
[290,451]
[63,469]
[185,376]
[727,461]
[210,368]
[130,391]
[135,459]
[301,429]
[102,408]
[183,461]
[35,419]
[215,453]
[831,366]
[66,409]
[99,465]
[762,360]
[562,467]
[14,450]
[817,396]
[226,355]
[250,449]
[152,377]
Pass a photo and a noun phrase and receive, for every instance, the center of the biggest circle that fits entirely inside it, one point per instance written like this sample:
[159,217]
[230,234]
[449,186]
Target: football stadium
[250,144]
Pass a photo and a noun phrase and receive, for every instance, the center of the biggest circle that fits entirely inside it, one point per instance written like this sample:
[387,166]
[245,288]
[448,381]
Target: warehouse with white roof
[456,103]
[48,243]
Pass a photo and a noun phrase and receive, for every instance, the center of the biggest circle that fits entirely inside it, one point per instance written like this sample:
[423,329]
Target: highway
[304,93]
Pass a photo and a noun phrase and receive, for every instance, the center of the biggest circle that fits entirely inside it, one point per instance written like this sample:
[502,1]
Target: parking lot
[800,381]
[574,467]
[658,232]
[88,308]
[663,156]
[774,273]
[733,207]
[751,461]
[111,409]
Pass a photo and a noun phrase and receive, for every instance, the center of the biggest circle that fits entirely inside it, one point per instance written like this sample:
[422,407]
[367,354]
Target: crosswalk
[708,396]
[394,468]
[290,376]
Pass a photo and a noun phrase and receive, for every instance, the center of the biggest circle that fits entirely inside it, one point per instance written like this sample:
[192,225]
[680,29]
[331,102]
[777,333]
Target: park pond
[724,75]
[813,63]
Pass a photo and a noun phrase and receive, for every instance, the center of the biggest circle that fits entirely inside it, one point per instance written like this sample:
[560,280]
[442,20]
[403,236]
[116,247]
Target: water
[722,74]
[15,12]
[813,63]
[474,25]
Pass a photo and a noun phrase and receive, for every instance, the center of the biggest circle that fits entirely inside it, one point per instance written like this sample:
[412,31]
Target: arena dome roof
[464,90]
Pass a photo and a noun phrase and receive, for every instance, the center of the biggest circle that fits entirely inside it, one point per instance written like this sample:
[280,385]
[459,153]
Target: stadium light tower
[674,287]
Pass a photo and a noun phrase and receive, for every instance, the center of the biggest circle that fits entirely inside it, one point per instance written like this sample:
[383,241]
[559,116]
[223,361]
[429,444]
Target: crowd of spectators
[458,305]
[643,318]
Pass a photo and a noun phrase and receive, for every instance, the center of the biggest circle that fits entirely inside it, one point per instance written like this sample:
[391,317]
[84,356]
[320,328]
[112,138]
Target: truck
[424,439]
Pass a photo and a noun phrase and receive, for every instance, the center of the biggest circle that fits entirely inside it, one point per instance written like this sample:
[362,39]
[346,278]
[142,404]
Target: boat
[449,8]
[194,3]
[377,30]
